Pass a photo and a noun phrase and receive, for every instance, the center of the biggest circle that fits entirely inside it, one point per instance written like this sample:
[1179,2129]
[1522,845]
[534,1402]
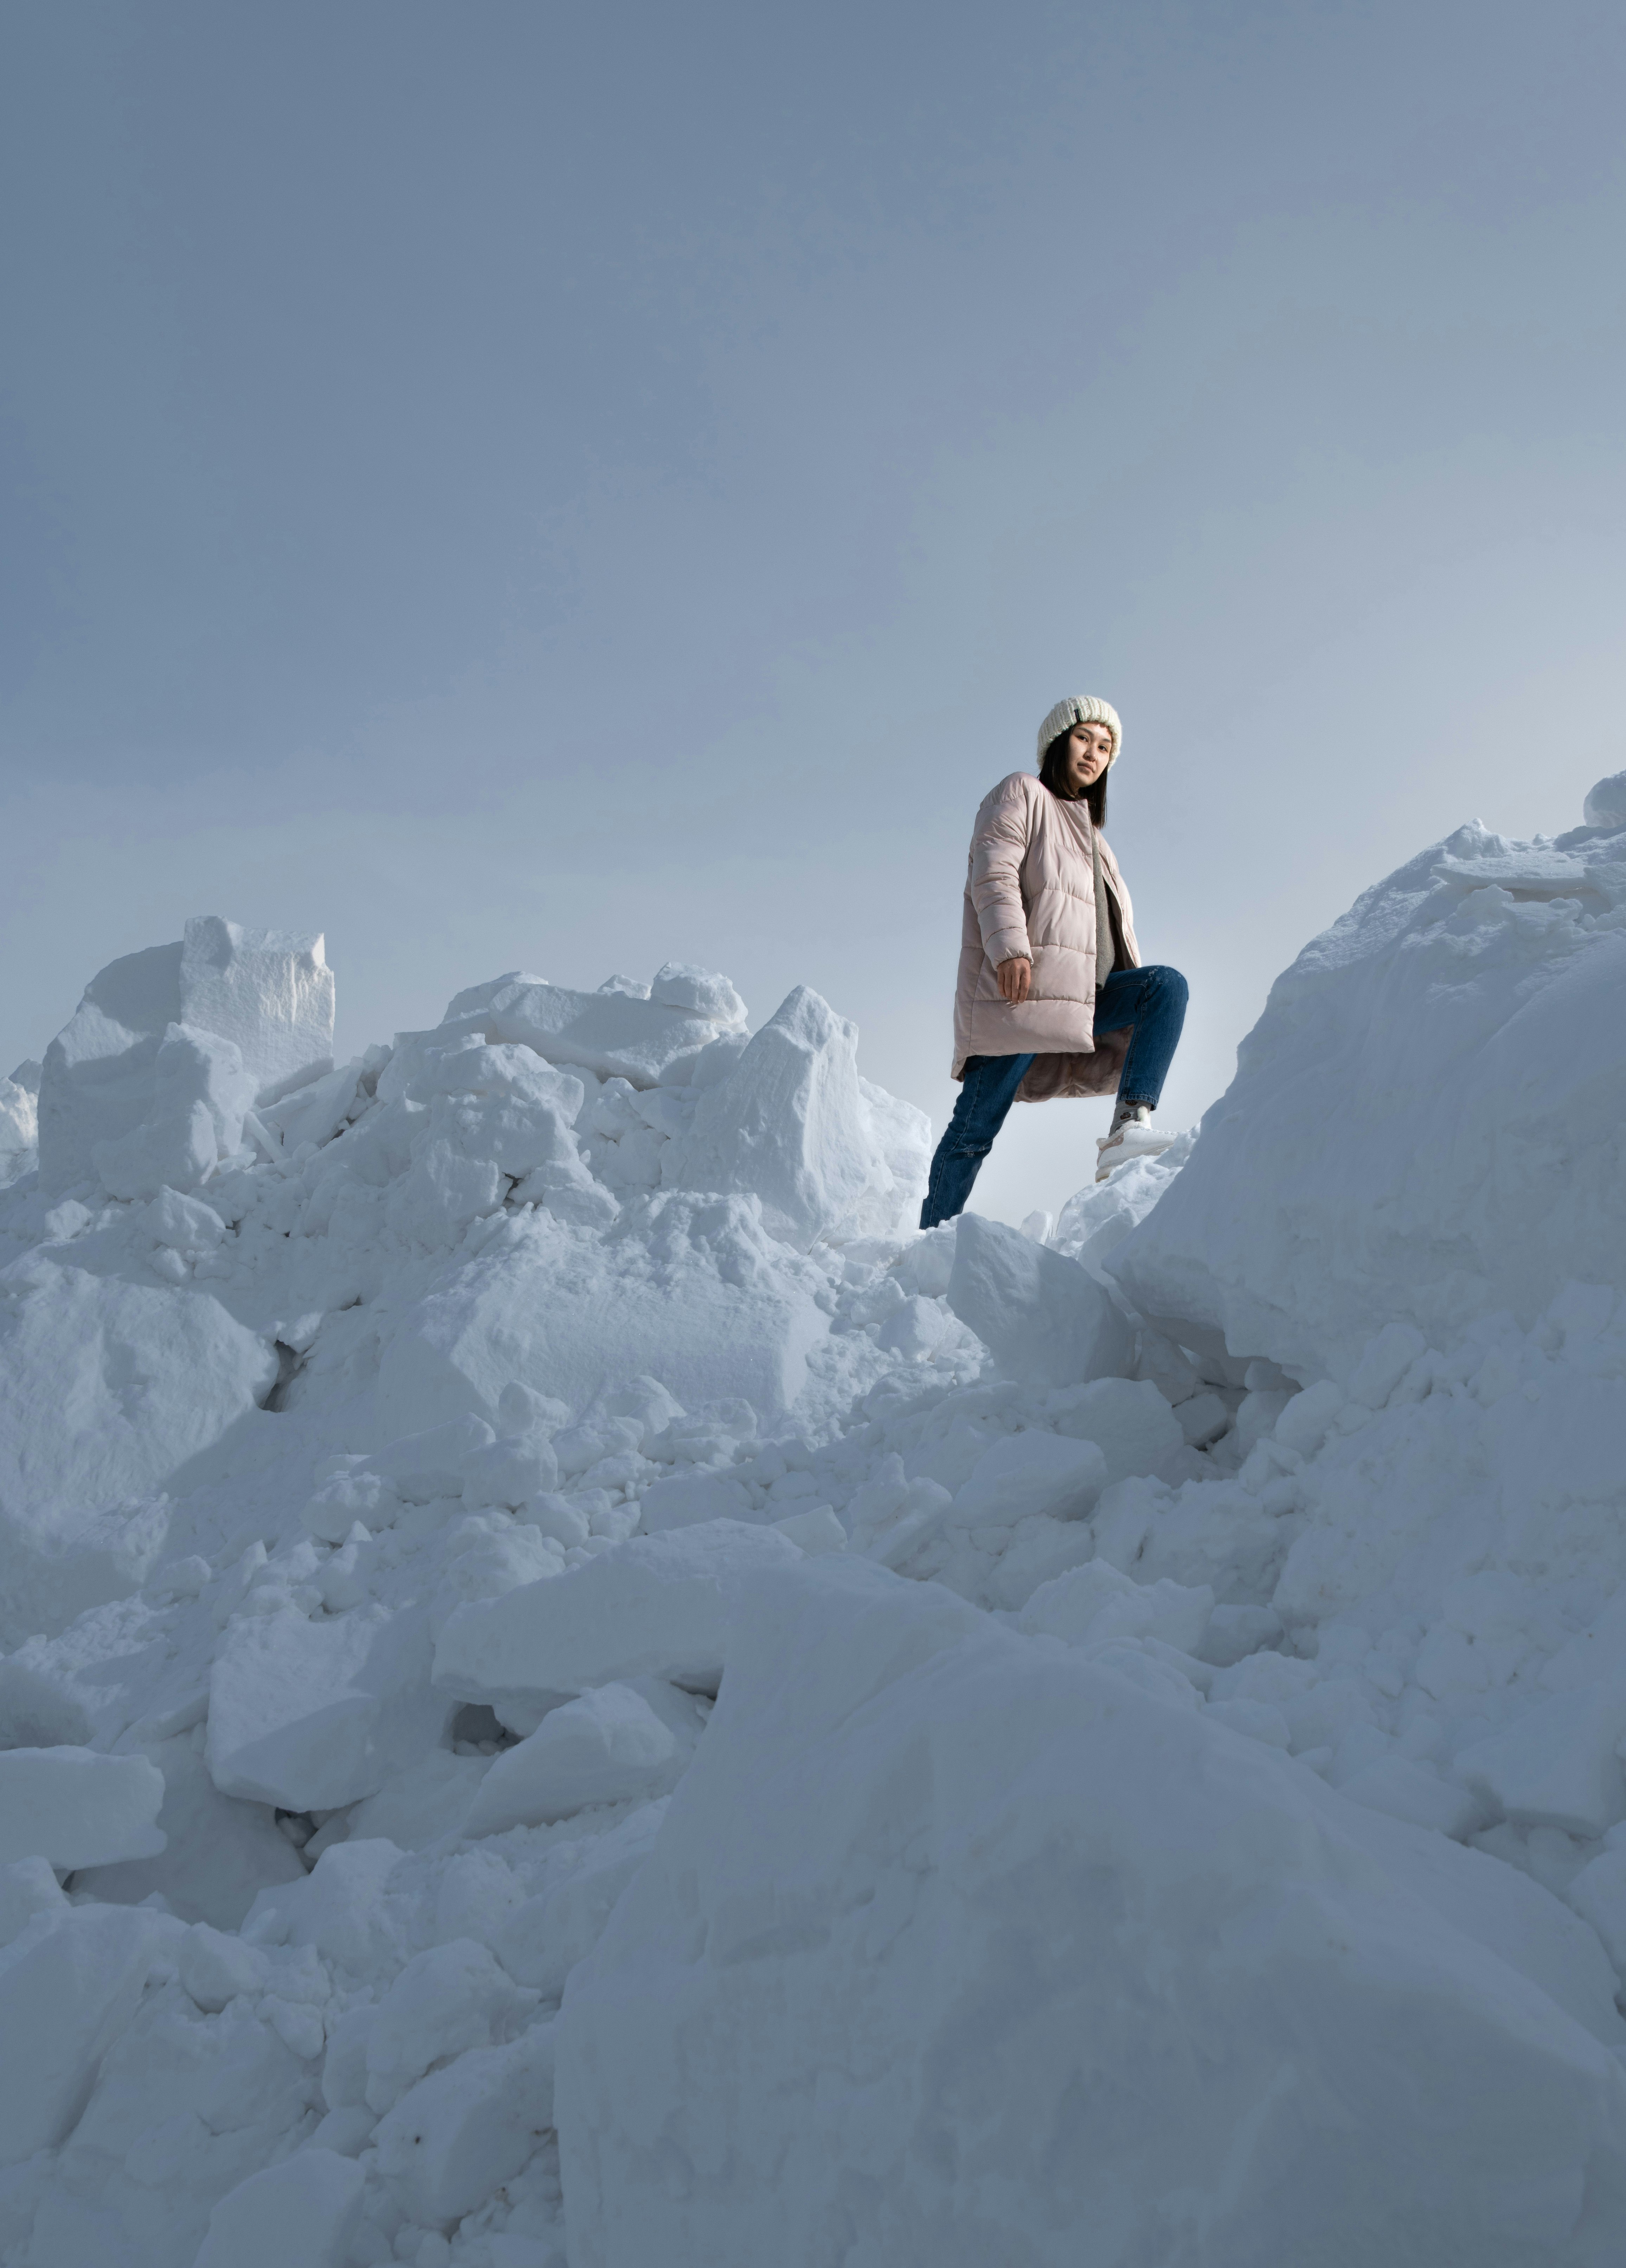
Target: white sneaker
[1134,1136]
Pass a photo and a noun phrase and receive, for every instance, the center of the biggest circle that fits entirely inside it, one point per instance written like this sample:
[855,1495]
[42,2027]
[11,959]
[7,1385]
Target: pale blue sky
[519,486]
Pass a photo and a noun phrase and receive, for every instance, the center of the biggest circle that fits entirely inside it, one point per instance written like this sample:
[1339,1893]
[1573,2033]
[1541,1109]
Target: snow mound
[1427,1123]
[569,1681]
[961,1893]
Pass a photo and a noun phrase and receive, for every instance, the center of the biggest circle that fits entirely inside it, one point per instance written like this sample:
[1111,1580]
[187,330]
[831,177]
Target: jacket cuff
[1007,945]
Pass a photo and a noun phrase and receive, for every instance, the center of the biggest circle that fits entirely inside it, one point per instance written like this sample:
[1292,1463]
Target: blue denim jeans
[1148,1002]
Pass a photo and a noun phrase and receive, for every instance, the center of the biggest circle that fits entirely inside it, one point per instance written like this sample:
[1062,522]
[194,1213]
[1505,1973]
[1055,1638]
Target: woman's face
[1088,753]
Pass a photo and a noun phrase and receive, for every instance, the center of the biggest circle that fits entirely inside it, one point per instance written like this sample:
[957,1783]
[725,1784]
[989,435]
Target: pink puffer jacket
[1030,888]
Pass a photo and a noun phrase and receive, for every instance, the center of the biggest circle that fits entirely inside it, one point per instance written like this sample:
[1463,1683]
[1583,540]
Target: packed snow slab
[254,1007]
[76,1808]
[601,1748]
[69,1984]
[1042,1318]
[308,2209]
[1015,1950]
[647,1038]
[311,1715]
[108,1390]
[687,1289]
[658,1606]
[1428,1122]
[793,1124]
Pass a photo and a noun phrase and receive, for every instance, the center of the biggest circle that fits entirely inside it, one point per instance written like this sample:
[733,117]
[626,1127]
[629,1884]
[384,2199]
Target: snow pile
[573,1685]
[1014,1950]
[1428,1121]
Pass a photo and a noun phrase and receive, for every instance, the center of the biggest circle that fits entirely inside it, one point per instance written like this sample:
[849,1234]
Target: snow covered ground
[574,1690]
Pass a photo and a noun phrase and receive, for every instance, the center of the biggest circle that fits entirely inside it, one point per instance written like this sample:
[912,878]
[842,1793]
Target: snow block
[268,996]
[340,1908]
[312,1715]
[698,993]
[1556,1766]
[1428,1122]
[96,1082]
[27,1887]
[614,1034]
[1606,802]
[1109,1968]
[1095,1603]
[200,1094]
[463,2130]
[1029,1473]
[219,1852]
[445,2002]
[1129,1422]
[1043,1319]
[689,1500]
[659,1605]
[474,1143]
[687,1289]
[216,1969]
[602,1749]
[1405,1790]
[308,2209]
[108,1390]
[541,1942]
[1599,1895]
[432,1463]
[788,1125]
[78,1808]
[271,991]
[69,1984]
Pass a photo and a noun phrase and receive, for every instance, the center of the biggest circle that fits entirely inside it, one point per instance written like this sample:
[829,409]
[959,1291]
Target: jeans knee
[1172,987]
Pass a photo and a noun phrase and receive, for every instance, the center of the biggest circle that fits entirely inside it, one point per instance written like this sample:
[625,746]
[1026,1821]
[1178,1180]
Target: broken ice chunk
[308,2209]
[788,1125]
[1556,1766]
[200,1092]
[1410,1791]
[1028,1473]
[78,1808]
[1606,802]
[465,2130]
[452,1998]
[313,1715]
[69,1984]
[1090,1604]
[27,1887]
[701,992]
[608,1745]
[269,992]
[659,1605]
[1043,1319]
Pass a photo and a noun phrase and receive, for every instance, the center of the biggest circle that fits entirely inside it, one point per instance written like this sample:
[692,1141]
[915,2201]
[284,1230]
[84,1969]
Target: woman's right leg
[986,1092]
[1152,999]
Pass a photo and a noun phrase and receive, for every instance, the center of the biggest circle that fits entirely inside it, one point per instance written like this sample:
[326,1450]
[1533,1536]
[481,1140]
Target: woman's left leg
[986,1092]
[1153,1000]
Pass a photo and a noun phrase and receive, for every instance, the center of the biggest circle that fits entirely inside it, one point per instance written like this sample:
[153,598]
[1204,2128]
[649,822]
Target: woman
[1052,998]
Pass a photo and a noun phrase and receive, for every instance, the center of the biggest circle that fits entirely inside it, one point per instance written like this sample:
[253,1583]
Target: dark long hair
[1053,773]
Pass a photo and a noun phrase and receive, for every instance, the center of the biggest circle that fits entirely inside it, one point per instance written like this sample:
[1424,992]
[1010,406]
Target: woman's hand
[1015,978]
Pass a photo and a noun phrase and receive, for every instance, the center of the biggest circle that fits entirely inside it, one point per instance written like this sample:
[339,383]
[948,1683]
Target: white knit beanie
[1082,709]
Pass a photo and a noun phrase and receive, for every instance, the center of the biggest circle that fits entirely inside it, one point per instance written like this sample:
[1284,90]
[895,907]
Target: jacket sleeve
[998,846]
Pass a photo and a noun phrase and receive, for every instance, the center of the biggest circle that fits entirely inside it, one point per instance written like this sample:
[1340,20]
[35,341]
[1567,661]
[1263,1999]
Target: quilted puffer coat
[1030,888]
